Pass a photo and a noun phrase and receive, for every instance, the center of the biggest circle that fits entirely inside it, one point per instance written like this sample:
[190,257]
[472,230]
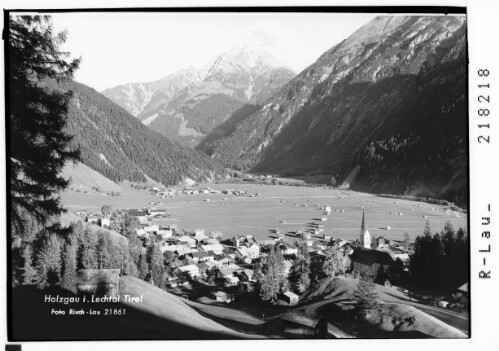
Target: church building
[366,260]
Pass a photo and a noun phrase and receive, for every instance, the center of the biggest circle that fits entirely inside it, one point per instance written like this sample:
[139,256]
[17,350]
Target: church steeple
[365,237]
[364,227]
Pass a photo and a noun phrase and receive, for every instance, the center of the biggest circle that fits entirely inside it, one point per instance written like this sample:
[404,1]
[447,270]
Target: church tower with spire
[365,237]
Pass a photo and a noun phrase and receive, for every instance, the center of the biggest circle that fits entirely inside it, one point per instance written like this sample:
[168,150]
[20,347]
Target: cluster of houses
[172,193]
[229,263]
[143,216]
[200,256]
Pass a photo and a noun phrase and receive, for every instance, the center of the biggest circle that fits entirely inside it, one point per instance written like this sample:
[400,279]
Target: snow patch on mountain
[149,119]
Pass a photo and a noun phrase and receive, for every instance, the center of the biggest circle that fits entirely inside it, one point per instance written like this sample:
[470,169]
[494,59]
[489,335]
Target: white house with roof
[152,229]
[253,251]
[216,248]
[199,234]
[191,269]
[290,297]
[141,232]
[248,275]
[211,241]
[184,250]
[226,262]
[165,232]
[288,250]
[238,240]
[216,234]
[191,242]
[231,281]
[105,222]
[94,219]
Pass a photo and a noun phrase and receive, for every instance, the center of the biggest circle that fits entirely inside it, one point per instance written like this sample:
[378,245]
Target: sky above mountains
[118,48]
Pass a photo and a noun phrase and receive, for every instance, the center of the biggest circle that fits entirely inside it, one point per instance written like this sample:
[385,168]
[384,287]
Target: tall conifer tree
[39,146]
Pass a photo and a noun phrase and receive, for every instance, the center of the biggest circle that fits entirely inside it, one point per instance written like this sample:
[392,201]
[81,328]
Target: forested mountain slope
[119,146]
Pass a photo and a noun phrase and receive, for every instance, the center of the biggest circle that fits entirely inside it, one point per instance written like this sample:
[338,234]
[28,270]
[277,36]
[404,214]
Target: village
[221,266]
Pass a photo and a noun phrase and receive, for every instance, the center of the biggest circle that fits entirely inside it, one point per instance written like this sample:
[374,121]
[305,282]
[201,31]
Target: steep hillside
[391,98]
[199,101]
[117,145]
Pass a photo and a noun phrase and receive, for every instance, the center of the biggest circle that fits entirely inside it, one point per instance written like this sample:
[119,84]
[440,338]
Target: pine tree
[49,263]
[274,277]
[87,256]
[102,251]
[333,263]
[39,146]
[105,210]
[29,272]
[156,263]
[366,296]
[68,278]
[300,271]
[128,263]
[407,241]
[143,267]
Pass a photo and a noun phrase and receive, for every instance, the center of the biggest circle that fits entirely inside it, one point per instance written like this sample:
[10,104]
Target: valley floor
[289,208]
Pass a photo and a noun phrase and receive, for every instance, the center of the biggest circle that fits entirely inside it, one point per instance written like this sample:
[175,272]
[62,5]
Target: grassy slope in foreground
[432,321]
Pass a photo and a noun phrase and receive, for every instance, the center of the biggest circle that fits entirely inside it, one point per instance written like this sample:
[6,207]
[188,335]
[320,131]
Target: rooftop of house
[202,266]
[188,268]
[137,213]
[290,294]
[307,319]
[463,288]
[371,256]
[228,271]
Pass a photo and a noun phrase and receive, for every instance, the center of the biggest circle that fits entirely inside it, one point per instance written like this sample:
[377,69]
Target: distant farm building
[94,219]
[290,297]
[105,222]
[222,296]
[216,234]
[165,232]
[98,282]
[153,212]
[199,234]
[142,216]
[300,324]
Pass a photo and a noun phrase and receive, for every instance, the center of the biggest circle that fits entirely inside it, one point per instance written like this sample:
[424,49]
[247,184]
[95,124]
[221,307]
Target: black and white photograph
[229,175]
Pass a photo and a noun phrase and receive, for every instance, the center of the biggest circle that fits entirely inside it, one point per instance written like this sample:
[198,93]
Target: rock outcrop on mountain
[391,98]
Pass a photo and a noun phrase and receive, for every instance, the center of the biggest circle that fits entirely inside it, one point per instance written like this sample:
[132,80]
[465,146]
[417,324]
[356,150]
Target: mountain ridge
[355,94]
[246,76]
